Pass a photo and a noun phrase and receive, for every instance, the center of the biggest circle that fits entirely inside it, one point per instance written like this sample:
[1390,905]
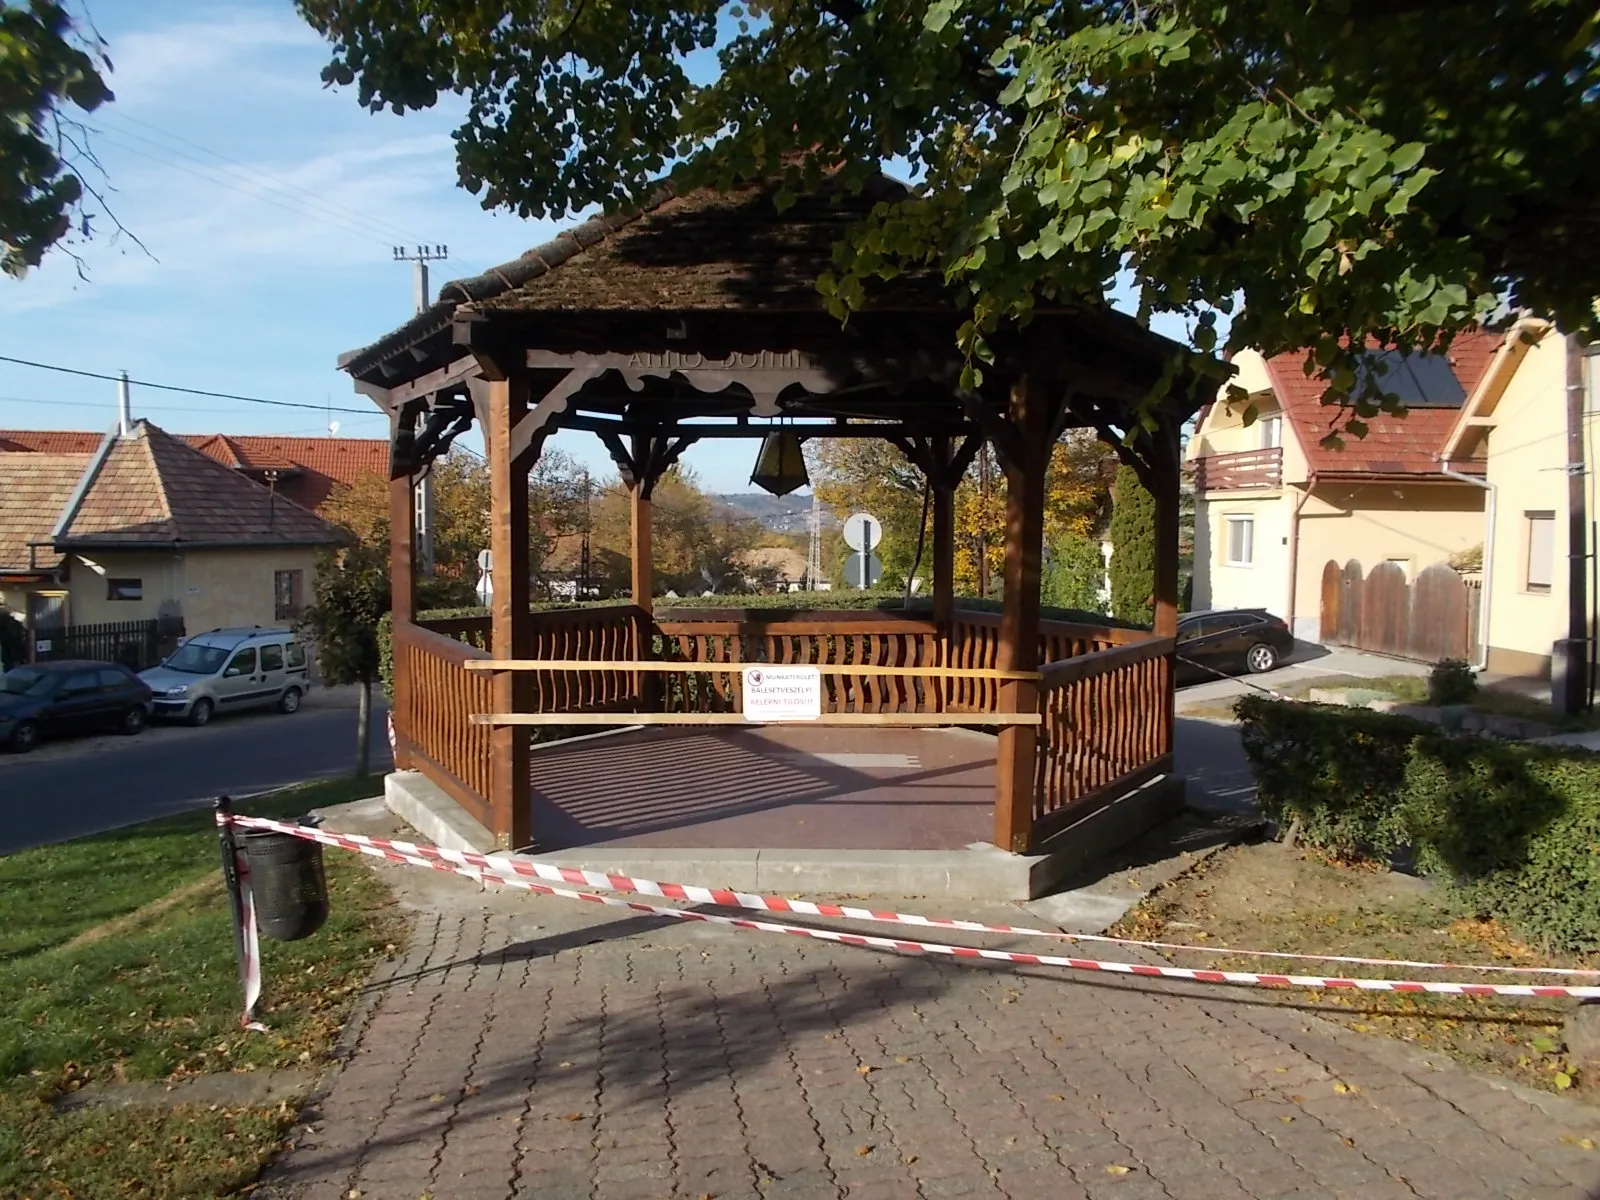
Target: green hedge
[1513,827]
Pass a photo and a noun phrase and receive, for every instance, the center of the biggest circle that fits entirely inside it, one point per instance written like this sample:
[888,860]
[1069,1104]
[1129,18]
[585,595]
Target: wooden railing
[746,636]
[610,633]
[974,641]
[435,697]
[1107,729]
[1240,471]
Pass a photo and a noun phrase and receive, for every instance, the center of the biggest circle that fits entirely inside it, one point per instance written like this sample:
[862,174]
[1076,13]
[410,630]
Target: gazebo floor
[776,786]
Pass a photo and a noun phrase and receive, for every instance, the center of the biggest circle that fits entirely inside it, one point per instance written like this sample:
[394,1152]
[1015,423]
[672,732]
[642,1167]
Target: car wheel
[290,701]
[1260,657]
[133,721]
[200,714]
[25,737]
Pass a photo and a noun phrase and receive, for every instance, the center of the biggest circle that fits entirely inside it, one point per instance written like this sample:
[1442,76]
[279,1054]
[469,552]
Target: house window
[1541,551]
[124,589]
[288,591]
[1271,431]
[1241,541]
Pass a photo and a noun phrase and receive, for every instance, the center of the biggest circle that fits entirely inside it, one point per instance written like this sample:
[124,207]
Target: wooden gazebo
[698,317]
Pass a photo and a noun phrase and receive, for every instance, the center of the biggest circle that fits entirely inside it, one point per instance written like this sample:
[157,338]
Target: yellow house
[1514,430]
[1476,474]
[1274,505]
[148,527]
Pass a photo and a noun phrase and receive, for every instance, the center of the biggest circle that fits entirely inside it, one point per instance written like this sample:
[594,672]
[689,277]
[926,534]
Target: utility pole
[1570,659]
[422,493]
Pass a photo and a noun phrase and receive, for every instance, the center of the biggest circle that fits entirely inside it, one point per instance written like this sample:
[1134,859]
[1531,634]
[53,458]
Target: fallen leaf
[901,1059]
[1011,1141]
[1344,1089]
[1349,1141]
[435,1098]
[863,1151]
[1286,1120]
[565,1065]
[864,1070]
[1544,1045]
[911,1158]
[1118,1169]
[1562,1080]
[1057,1097]
[572,1116]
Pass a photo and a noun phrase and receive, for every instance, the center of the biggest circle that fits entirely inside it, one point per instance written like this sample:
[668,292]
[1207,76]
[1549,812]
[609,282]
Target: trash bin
[287,884]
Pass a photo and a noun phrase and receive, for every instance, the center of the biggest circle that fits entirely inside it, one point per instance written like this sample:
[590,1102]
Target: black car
[1224,641]
[49,699]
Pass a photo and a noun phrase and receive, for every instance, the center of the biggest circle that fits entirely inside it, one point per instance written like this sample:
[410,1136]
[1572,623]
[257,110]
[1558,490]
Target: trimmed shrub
[1339,771]
[1133,549]
[1514,827]
[1451,682]
[13,642]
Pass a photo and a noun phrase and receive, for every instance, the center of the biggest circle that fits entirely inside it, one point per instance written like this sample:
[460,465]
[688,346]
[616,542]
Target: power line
[199,410]
[245,172]
[344,225]
[170,387]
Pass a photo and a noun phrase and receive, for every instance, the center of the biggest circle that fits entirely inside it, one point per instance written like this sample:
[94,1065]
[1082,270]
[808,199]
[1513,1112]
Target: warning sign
[782,693]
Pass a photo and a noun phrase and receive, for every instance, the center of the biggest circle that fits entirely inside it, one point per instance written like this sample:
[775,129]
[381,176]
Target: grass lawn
[117,964]
[1268,897]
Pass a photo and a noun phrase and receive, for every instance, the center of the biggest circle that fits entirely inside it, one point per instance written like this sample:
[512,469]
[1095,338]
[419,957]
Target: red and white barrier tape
[513,872]
[250,967]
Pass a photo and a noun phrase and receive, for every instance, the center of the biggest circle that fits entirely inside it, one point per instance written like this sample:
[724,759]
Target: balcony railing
[1240,471]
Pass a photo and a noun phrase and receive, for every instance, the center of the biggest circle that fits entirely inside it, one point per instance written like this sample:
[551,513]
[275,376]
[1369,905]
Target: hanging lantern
[781,465]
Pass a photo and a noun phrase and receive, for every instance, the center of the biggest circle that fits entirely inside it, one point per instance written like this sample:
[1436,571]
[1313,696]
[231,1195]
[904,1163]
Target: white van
[229,670]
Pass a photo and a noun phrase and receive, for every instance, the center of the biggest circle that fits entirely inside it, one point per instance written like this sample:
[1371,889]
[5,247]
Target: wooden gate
[1430,618]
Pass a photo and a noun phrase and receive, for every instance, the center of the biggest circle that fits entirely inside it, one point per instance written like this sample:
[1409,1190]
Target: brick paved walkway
[530,1047]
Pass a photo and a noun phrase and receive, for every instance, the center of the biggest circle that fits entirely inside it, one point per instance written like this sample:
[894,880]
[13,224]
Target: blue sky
[269,206]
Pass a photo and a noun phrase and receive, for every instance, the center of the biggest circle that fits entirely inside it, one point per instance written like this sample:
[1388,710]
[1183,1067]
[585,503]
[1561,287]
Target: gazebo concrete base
[914,803]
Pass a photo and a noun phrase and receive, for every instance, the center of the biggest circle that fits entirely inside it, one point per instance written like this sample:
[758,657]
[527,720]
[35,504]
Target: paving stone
[687,1056]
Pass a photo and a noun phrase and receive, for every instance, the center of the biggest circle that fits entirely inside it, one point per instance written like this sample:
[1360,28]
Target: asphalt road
[75,787]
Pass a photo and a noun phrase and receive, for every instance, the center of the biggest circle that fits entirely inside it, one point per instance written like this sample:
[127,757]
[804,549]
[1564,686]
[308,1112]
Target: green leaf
[1562,1080]
[1182,203]
[939,14]
[1544,1044]
[1315,237]
[1406,157]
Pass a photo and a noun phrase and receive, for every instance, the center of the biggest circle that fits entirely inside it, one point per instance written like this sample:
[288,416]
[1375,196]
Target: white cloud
[151,65]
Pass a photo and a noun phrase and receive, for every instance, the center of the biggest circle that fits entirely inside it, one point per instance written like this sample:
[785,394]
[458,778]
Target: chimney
[124,406]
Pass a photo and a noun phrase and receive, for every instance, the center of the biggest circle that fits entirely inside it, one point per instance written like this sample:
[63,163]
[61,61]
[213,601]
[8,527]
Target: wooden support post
[1165,467]
[1030,417]
[944,537]
[639,548]
[402,608]
[511,798]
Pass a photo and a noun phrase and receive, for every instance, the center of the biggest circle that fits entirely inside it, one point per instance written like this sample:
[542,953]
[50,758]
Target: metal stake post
[230,878]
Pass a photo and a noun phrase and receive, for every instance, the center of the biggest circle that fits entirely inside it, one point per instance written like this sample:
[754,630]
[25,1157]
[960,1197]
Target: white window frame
[1271,431]
[1529,584]
[1248,522]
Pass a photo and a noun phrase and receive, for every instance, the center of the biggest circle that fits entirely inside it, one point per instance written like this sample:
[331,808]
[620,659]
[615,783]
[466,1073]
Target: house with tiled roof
[305,470]
[145,526]
[1276,503]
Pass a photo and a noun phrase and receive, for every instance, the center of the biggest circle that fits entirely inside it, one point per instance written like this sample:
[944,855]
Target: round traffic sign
[862,531]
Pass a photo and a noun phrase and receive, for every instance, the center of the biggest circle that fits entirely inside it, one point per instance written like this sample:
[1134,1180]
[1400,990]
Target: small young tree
[350,597]
[1133,549]
[1074,573]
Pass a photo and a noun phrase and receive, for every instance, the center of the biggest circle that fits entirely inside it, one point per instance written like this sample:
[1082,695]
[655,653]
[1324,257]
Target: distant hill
[779,514]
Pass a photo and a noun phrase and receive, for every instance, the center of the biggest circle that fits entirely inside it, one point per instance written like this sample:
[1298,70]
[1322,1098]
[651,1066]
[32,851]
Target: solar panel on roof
[1417,380]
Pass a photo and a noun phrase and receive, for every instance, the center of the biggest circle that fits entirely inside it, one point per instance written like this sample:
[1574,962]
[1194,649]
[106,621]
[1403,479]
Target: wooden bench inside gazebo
[697,317]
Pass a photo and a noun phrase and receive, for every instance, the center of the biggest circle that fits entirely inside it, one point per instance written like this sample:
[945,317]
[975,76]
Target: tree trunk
[364,731]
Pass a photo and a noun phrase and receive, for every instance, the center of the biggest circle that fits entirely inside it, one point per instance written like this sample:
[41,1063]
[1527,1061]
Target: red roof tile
[34,488]
[152,489]
[1408,445]
[312,468]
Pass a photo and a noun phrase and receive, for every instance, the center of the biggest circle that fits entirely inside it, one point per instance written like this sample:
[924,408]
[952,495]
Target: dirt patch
[1267,897]
[147,912]
[233,1090]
